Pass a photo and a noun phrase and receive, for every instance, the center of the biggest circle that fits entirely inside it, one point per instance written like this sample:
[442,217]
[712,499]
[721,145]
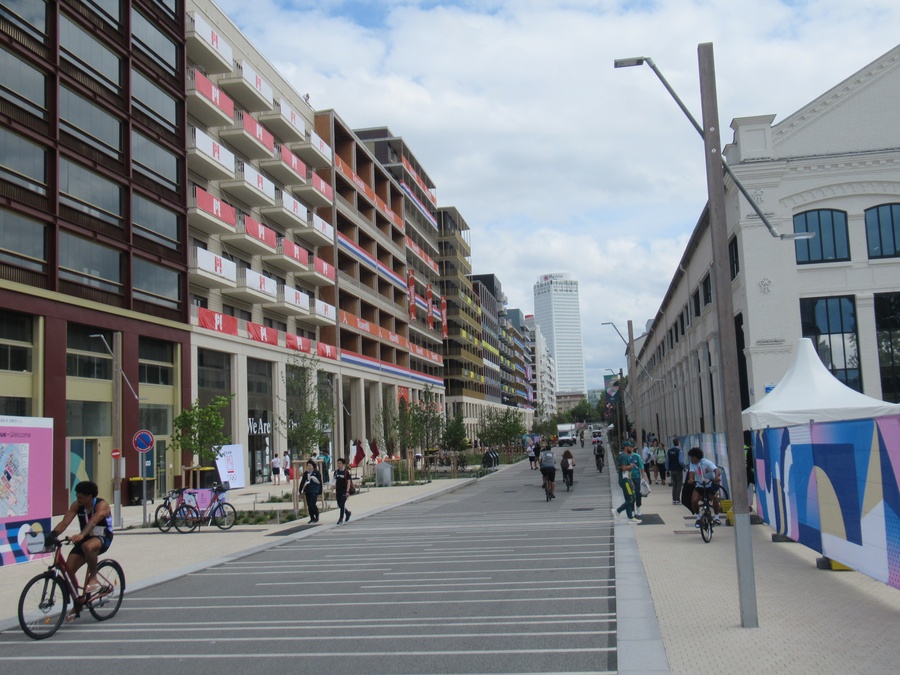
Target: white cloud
[558,161]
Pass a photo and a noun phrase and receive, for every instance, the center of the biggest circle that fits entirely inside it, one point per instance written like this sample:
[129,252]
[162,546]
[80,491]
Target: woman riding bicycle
[706,480]
[567,464]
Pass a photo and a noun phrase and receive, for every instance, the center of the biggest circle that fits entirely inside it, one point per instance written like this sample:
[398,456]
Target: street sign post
[143,443]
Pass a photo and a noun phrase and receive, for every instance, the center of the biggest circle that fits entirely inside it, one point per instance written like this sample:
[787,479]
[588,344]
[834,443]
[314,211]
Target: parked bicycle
[175,512]
[44,603]
[218,512]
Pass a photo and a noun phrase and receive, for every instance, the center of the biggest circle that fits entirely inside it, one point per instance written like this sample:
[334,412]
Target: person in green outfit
[625,465]
[637,465]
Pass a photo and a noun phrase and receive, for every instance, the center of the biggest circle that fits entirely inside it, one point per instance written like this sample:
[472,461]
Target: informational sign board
[26,477]
[230,463]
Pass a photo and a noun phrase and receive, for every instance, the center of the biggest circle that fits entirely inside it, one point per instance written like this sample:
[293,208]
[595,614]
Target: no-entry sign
[143,441]
[116,453]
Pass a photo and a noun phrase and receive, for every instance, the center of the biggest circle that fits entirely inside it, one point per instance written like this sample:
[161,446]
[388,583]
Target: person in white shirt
[704,475]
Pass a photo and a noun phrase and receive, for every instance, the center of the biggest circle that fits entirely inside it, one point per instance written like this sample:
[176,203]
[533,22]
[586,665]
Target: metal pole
[632,372]
[728,362]
[117,429]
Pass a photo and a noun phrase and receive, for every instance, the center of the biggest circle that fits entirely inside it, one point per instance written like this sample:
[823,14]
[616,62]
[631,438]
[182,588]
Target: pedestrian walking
[343,486]
[637,465]
[624,466]
[648,458]
[530,451]
[311,487]
[675,467]
[286,466]
[659,453]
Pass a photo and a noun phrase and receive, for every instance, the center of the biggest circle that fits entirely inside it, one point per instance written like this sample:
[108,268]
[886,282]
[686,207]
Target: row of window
[831,242]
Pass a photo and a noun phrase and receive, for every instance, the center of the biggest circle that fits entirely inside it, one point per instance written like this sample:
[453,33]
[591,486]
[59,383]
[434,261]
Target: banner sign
[444,330]
[230,463]
[411,293]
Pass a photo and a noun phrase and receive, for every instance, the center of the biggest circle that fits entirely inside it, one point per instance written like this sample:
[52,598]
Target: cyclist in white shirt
[704,475]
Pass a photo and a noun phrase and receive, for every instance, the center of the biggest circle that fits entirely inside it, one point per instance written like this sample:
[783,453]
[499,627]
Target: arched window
[883,231]
[830,243]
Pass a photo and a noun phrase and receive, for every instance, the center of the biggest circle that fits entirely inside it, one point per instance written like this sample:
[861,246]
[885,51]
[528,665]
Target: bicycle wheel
[706,527]
[42,606]
[224,515]
[186,518]
[104,603]
[163,518]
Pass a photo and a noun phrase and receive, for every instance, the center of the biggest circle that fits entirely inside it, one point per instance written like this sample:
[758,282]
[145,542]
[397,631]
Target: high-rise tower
[557,312]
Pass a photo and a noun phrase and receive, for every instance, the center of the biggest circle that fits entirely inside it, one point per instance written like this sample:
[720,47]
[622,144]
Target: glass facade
[22,162]
[22,84]
[86,262]
[23,242]
[16,338]
[883,231]
[81,50]
[89,192]
[155,283]
[831,324]
[90,123]
[149,219]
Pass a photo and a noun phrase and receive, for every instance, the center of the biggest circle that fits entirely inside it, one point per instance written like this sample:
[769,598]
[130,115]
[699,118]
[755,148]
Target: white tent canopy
[808,391]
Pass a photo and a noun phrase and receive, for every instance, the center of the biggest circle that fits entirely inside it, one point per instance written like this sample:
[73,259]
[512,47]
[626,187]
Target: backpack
[564,463]
[547,458]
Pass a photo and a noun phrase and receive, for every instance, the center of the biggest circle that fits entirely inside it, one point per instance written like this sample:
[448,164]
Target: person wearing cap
[625,466]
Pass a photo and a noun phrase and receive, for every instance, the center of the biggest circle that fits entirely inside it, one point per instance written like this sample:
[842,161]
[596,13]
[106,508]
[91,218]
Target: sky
[557,161]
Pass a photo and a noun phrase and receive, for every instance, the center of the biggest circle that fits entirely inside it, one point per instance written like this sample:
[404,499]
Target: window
[154,161]
[88,419]
[734,263]
[153,101]
[153,43]
[16,339]
[695,299]
[89,123]
[156,362]
[706,286]
[88,55]
[89,192]
[237,312]
[274,323]
[29,15]
[157,284]
[22,162]
[23,242]
[830,243]
[883,231]
[106,9]
[167,6]
[154,221]
[86,262]
[887,331]
[22,84]
[831,324]
[86,356]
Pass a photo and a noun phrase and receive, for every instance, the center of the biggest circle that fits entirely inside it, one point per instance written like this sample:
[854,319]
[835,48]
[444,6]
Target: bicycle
[547,488]
[175,512]
[44,603]
[568,477]
[598,458]
[707,517]
[218,512]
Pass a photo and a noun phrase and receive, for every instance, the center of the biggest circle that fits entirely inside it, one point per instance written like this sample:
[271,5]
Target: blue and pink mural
[833,486]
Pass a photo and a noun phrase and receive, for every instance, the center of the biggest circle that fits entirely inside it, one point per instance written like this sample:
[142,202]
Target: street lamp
[641,60]
[724,310]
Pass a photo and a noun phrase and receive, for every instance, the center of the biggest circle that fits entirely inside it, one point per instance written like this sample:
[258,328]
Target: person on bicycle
[704,475]
[567,464]
[96,535]
[598,452]
[548,469]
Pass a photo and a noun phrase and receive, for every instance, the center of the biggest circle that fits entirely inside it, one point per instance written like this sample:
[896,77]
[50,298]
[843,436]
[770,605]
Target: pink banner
[262,333]
[217,321]
[297,343]
[411,293]
[444,330]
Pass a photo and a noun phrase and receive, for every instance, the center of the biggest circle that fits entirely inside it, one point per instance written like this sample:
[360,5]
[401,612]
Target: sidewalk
[150,557]
[810,620]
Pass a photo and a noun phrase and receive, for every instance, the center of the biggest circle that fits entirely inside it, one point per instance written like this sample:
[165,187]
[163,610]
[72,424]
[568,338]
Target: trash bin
[384,474]
[208,476]
[135,490]
[495,457]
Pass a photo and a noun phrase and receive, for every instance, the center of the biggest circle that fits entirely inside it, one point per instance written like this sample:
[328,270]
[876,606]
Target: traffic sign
[116,453]
[143,441]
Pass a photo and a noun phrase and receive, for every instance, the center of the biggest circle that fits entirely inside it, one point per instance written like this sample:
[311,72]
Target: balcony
[287,212]
[251,237]
[314,150]
[321,314]
[250,186]
[209,214]
[248,137]
[206,47]
[206,102]
[247,88]
[316,192]
[320,273]
[290,302]
[286,167]
[211,271]
[319,233]
[288,257]
[253,287]
[207,158]
[285,121]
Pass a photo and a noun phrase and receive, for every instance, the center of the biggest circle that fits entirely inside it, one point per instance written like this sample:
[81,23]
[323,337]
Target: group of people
[702,473]
[545,461]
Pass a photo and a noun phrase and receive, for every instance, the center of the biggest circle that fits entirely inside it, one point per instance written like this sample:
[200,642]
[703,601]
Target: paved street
[486,579]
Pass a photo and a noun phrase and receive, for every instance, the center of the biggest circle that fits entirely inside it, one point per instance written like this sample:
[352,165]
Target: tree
[309,404]
[386,427]
[455,436]
[198,429]
[583,412]
[428,421]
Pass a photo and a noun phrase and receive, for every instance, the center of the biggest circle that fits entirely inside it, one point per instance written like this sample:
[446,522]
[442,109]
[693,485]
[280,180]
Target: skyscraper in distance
[557,312]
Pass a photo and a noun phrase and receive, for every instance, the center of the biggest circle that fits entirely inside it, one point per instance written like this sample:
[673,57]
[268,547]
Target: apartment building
[543,370]
[93,240]
[464,368]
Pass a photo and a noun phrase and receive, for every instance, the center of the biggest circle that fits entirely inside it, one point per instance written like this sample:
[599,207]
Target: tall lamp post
[715,163]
